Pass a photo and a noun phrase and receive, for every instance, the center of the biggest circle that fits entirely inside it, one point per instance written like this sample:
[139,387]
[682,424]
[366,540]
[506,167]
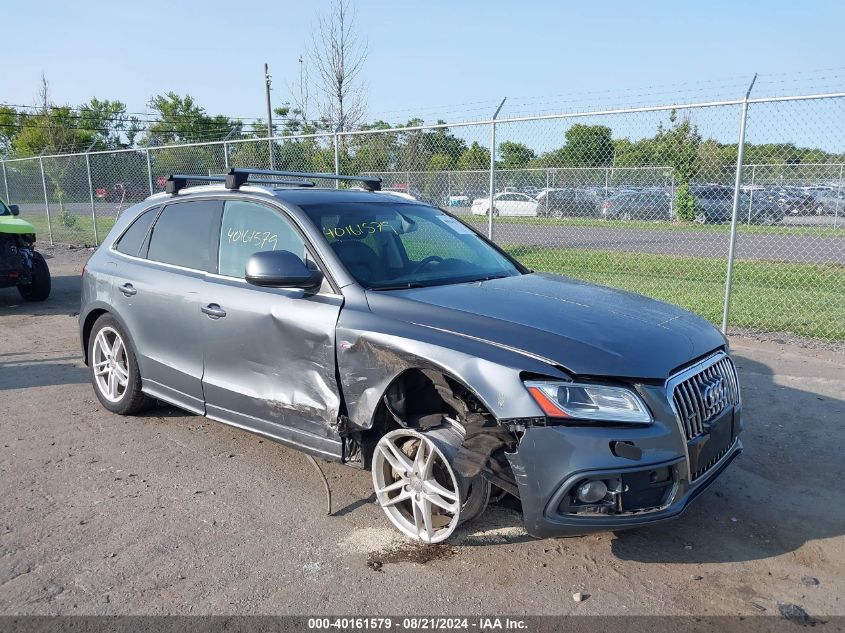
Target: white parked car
[506,203]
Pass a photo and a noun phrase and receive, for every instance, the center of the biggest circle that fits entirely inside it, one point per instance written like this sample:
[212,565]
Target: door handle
[213,311]
[128,290]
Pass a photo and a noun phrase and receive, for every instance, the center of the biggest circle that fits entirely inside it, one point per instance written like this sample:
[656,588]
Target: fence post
[740,155]
[835,213]
[226,155]
[672,199]
[751,192]
[336,157]
[492,170]
[6,184]
[46,200]
[91,193]
[150,171]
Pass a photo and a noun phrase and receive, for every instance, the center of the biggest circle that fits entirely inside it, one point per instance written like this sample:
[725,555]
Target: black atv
[20,264]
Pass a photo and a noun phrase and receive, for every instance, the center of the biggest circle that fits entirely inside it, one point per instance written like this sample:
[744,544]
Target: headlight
[584,401]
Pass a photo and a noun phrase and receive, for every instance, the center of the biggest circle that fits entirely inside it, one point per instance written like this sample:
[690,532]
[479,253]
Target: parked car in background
[795,200]
[714,205]
[457,200]
[639,205]
[568,202]
[506,203]
[128,192]
[831,201]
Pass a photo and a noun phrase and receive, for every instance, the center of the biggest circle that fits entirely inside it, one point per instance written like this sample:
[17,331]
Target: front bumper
[550,461]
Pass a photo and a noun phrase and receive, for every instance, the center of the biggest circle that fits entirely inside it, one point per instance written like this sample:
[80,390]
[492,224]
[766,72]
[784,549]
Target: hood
[587,329]
[15,226]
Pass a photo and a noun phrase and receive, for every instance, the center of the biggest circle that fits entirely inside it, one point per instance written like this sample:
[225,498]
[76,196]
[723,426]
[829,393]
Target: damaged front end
[575,479]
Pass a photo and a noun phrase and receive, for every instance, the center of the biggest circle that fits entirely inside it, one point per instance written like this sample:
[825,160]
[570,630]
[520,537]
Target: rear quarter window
[131,240]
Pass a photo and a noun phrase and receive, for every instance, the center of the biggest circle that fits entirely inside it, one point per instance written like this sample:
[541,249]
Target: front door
[269,352]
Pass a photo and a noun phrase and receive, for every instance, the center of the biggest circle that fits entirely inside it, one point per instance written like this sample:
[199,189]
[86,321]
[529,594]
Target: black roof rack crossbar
[286,183]
[175,182]
[238,176]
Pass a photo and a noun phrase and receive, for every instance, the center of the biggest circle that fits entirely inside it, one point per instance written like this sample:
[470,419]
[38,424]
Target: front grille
[704,395]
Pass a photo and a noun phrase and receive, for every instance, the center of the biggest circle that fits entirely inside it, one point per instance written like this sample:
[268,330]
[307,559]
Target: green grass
[81,233]
[780,229]
[805,299]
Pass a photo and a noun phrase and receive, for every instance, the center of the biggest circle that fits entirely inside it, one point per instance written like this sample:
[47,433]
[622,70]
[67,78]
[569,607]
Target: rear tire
[39,288]
[114,370]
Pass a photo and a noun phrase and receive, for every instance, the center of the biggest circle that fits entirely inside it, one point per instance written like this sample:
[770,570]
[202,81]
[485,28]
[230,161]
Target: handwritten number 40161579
[261,239]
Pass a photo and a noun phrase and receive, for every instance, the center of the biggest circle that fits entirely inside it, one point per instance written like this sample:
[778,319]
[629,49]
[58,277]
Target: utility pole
[269,115]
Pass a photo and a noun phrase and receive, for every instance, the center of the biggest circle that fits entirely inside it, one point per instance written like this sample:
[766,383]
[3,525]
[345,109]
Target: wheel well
[86,330]
[420,399]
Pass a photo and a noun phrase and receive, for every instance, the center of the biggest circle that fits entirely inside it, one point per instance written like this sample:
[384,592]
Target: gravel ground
[171,513]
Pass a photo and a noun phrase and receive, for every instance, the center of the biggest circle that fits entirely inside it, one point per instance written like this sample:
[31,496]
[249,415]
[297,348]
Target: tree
[678,147]
[588,146]
[9,126]
[475,157]
[338,56]
[181,120]
[514,155]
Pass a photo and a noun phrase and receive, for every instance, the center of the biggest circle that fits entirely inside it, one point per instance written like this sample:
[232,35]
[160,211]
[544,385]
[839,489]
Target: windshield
[386,245]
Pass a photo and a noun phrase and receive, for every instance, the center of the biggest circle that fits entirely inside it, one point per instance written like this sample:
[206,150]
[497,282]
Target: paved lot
[172,513]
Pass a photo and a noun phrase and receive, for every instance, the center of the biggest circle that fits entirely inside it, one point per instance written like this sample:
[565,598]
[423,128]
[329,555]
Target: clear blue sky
[453,60]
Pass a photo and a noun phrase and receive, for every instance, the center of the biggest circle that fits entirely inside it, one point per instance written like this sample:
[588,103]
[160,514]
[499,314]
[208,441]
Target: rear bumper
[547,470]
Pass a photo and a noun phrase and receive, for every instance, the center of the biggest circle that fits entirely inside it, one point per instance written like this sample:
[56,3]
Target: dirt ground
[172,513]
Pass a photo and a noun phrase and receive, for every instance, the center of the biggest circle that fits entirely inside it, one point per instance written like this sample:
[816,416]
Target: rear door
[269,352]
[160,290]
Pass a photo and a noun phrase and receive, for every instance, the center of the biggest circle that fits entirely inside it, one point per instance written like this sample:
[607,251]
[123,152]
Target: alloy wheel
[111,368]
[416,486]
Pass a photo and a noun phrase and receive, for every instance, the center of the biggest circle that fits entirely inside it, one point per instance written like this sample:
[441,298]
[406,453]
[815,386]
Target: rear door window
[185,235]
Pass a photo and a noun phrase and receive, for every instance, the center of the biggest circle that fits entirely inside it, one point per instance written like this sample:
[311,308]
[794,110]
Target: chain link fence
[645,199]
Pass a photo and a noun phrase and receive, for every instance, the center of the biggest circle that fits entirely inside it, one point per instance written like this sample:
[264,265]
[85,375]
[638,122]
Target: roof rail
[238,176]
[175,182]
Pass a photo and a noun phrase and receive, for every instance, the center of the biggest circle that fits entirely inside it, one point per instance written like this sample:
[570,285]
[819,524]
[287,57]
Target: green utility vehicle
[20,264]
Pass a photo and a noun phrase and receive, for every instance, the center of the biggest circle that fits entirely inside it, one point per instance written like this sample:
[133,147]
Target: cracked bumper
[550,461]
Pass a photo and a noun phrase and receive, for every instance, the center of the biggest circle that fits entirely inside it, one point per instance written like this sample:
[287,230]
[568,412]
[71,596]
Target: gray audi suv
[385,334]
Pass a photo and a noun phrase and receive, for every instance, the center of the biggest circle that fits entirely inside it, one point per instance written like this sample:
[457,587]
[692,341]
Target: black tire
[478,496]
[39,288]
[133,399]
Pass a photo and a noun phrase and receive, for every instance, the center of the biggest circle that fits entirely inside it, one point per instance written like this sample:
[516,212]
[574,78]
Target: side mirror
[15,209]
[281,269]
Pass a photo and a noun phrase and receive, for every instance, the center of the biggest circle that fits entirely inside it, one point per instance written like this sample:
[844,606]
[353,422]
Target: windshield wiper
[488,278]
[404,286]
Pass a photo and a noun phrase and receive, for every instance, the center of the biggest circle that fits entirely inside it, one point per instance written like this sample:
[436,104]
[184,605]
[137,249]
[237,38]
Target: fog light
[591,491]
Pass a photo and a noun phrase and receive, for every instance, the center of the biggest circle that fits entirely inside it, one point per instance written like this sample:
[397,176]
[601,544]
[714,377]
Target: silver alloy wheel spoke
[440,502]
[415,491]
[397,458]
